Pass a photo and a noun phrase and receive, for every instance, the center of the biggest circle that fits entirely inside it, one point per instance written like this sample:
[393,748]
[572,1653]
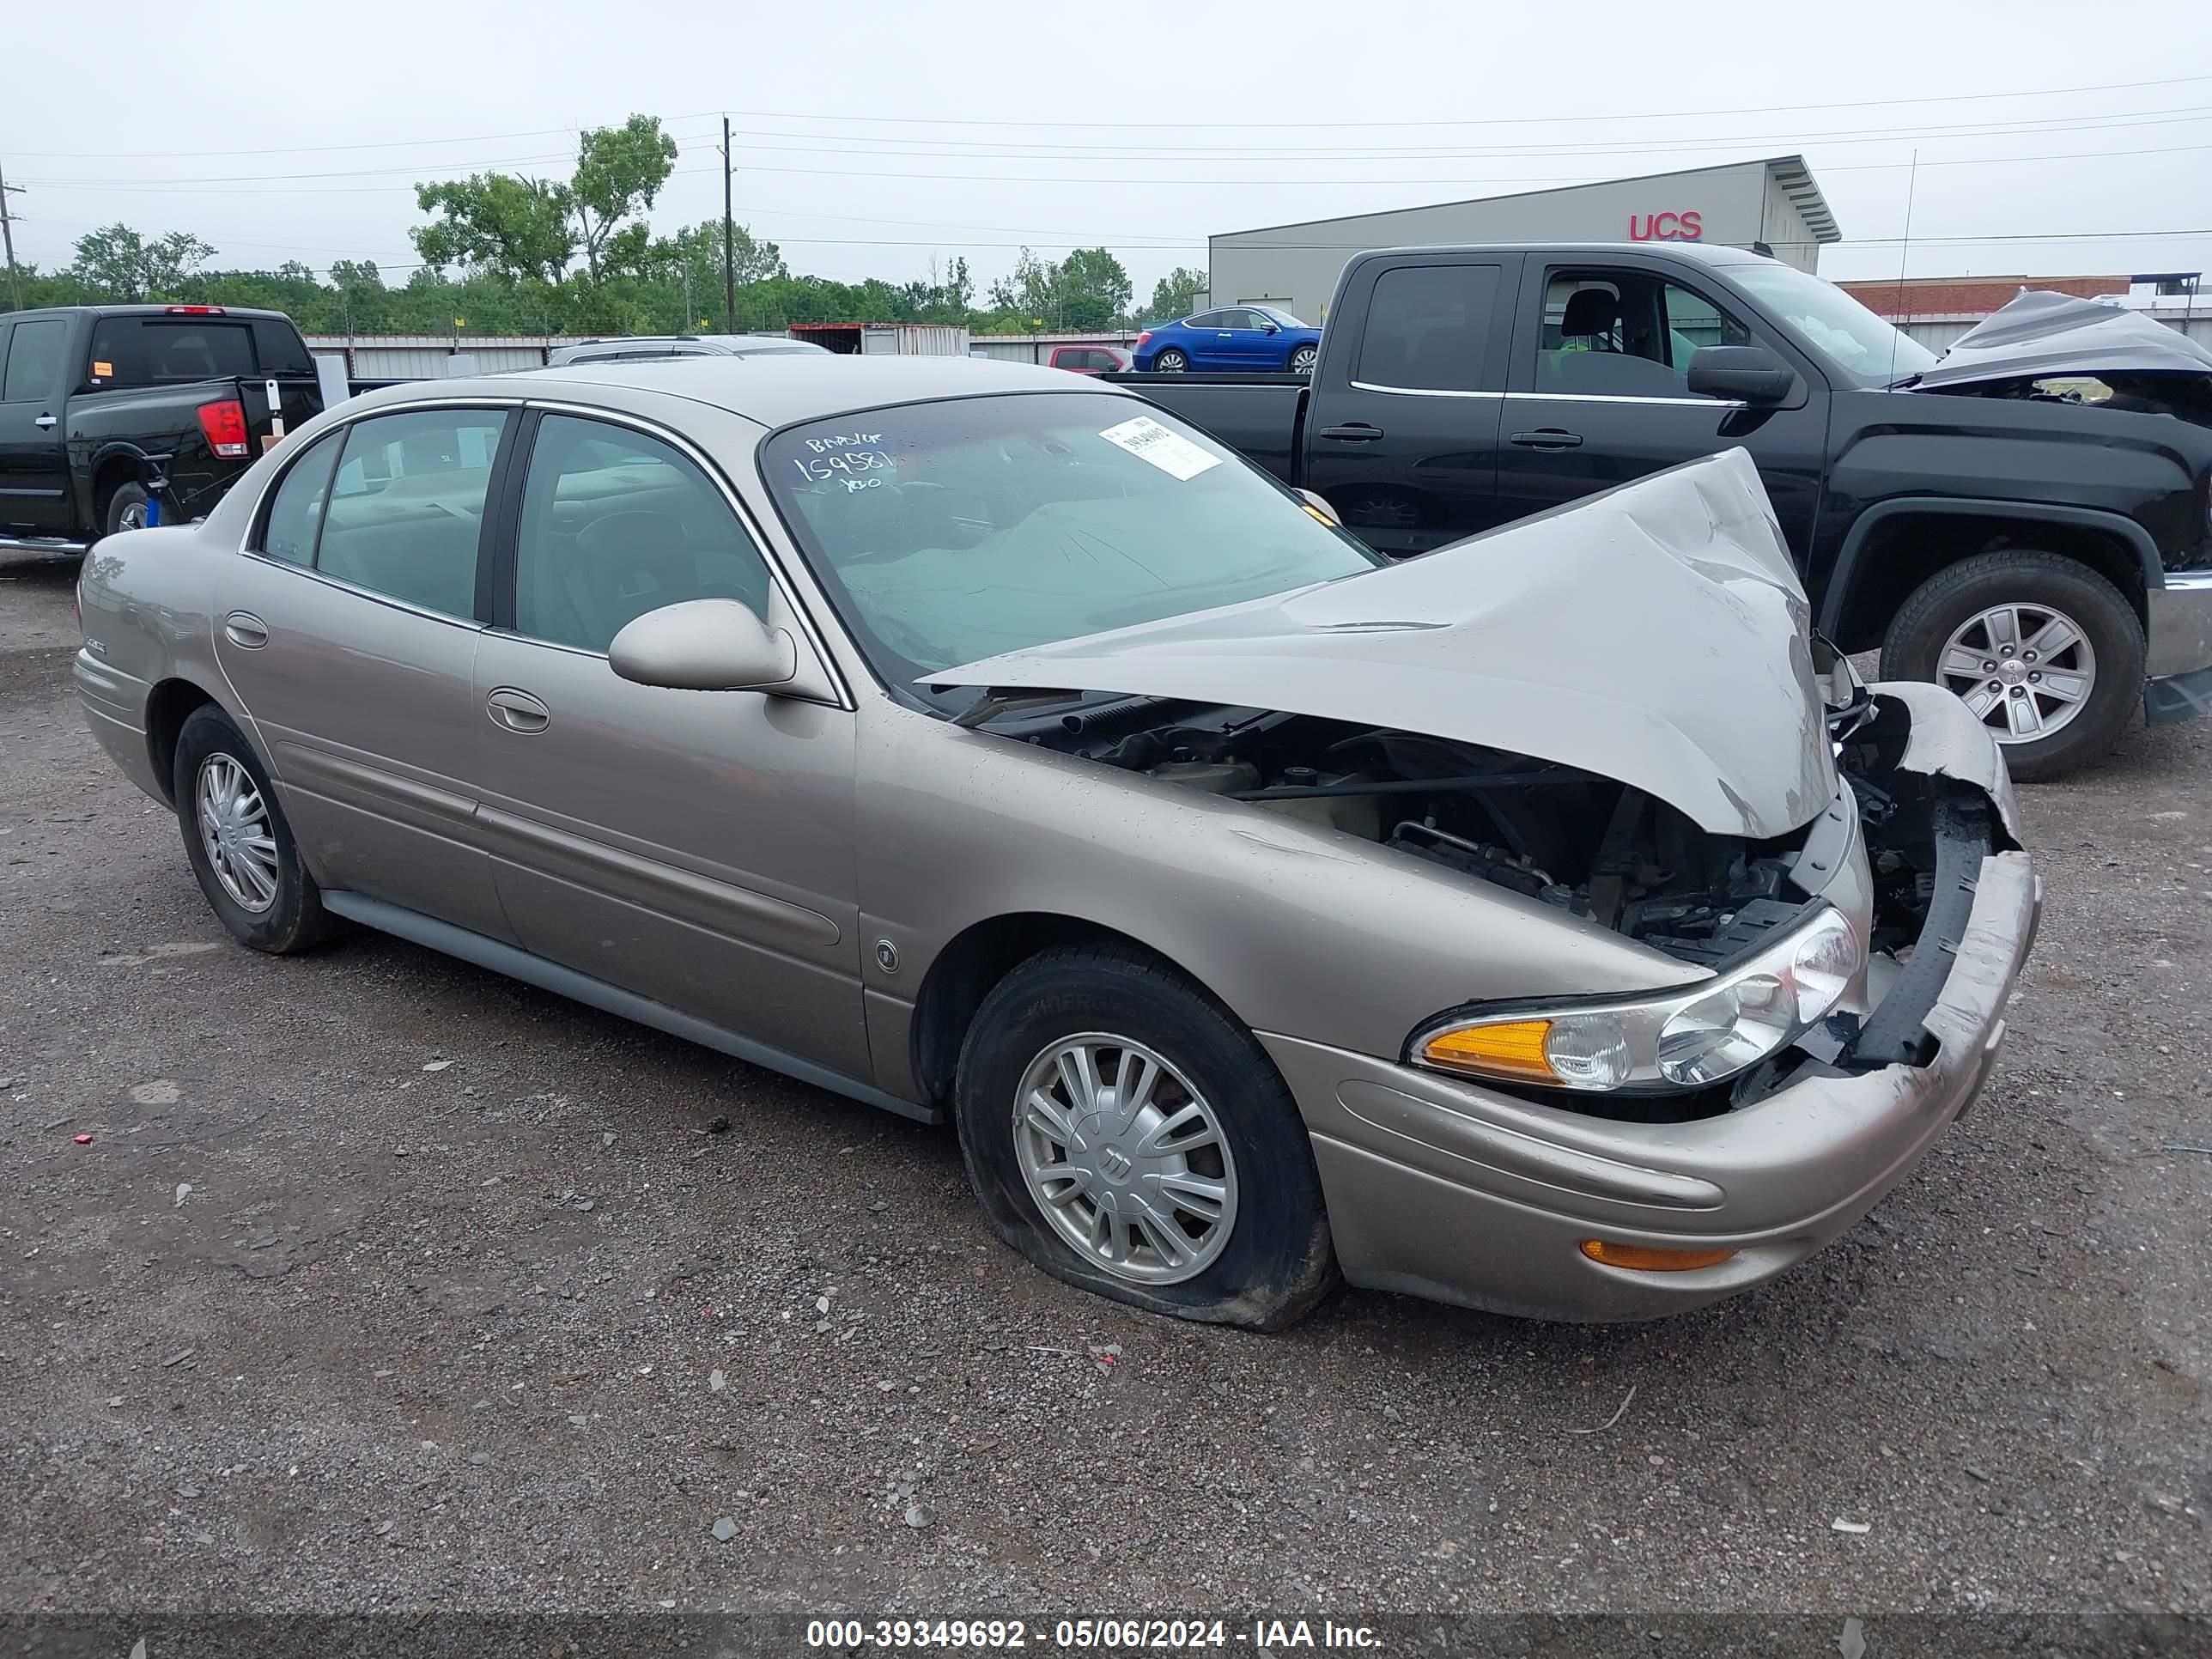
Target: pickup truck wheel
[2047,654]
[239,845]
[1302,359]
[1126,1135]
[1171,361]
[126,510]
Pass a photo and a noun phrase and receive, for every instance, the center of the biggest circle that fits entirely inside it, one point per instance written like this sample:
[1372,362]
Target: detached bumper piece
[2178,660]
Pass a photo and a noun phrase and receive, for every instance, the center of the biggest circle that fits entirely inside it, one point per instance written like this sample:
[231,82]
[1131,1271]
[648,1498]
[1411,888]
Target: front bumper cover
[1440,1188]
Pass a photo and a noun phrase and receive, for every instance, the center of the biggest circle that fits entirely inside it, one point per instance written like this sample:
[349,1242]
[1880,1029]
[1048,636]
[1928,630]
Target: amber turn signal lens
[1511,1048]
[1651,1258]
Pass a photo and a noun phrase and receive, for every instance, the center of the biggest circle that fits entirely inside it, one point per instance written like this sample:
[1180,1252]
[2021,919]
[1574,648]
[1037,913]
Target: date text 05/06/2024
[1088,1635]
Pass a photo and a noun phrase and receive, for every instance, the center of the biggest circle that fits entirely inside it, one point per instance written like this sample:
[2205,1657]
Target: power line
[1106,126]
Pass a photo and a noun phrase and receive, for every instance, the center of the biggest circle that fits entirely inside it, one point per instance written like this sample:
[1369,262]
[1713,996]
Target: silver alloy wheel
[1126,1159]
[235,832]
[1301,360]
[2025,670]
[1162,366]
[133,517]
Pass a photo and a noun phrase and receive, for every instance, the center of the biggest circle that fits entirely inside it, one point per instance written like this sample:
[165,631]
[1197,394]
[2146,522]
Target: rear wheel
[1302,359]
[239,845]
[126,510]
[1171,361]
[1128,1136]
[2047,652]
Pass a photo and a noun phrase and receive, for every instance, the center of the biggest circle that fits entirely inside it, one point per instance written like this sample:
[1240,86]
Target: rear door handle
[1358,433]
[245,629]
[518,711]
[44,423]
[1549,437]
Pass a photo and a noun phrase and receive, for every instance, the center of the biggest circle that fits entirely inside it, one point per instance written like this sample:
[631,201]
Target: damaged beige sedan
[1548,925]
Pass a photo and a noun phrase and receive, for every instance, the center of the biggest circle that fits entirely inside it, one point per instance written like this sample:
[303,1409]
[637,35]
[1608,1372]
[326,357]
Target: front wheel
[1302,359]
[2047,654]
[1171,361]
[1126,1135]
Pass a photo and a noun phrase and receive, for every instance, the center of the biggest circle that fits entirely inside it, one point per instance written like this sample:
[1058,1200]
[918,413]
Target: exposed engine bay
[1586,844]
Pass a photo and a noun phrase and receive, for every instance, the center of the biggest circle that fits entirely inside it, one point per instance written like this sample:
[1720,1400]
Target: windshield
[946,531]
[1279,315]
[1845,331]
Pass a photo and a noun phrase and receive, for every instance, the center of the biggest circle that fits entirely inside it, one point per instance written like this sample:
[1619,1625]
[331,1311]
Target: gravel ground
[386,1283]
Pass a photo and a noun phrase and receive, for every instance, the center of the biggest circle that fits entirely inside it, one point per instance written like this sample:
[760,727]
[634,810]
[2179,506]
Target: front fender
[1293,926]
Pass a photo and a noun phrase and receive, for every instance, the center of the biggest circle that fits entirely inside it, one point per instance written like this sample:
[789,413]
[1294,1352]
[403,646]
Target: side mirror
[1271,328]
[704,645]
[1748,373]
[1318,506]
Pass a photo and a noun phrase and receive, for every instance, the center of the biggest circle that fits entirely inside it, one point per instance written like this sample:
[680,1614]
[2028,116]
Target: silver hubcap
[235,831]
[2025,670]
[133,517]
[1170,362]
[1302,360]
[1125,1158]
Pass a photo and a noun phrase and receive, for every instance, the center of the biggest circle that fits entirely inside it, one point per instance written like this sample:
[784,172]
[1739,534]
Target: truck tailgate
[277,405]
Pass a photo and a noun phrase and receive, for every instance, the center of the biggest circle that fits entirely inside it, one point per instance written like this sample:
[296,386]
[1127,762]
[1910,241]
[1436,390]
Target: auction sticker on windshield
[1170,452]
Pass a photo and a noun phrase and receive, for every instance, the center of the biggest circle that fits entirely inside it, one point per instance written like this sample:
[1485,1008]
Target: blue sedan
[1233,337]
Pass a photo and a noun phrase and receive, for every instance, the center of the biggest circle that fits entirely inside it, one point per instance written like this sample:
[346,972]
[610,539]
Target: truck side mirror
[1746,373]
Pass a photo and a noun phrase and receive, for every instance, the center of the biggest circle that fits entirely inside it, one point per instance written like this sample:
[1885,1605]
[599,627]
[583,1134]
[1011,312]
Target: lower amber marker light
[1652,1258]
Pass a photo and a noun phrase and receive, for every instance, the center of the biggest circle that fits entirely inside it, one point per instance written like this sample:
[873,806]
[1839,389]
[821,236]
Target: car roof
[1711,253]
[773,389]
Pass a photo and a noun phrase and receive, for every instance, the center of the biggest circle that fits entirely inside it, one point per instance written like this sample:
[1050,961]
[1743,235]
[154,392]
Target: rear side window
[280,349]
[135,351]
[407,503]
[35,360]
[1429,329]
[296,512]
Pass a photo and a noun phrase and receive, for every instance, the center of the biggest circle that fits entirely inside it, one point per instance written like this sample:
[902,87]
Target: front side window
[1626,334]
[949,531]
[35,360]
[616,523]
[296,512]
[406,506]
[1429,329]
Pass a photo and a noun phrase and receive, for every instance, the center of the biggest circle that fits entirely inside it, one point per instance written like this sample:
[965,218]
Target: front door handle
[1358,433]
[518,711]
[44,423]
[1548,437]
[244,629]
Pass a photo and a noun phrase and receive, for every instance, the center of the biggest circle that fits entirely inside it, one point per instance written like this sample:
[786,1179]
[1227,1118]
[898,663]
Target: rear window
[134,351]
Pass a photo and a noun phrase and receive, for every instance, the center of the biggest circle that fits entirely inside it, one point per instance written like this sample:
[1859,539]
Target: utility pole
[729,241]
[7,236]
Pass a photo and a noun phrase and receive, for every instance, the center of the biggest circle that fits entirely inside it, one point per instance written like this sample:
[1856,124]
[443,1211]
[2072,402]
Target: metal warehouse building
[1774,203]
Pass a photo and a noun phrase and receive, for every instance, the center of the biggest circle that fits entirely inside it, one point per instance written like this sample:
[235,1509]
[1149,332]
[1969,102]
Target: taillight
[224,426]
[194,311]
[1146,335]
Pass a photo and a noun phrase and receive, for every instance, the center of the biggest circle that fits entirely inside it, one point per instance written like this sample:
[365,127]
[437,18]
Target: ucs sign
[1665,228]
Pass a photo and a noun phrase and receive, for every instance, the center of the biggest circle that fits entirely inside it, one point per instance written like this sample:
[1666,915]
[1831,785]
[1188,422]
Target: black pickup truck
[2025,520]
[107,409]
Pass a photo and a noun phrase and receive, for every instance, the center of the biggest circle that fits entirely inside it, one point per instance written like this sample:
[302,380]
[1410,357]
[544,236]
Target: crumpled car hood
[1656,633]
[2039,335]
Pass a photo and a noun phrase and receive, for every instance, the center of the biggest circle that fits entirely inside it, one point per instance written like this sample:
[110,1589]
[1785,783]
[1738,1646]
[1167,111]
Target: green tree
[517,228]
[619,174]
[1094,289]
[1175,294]
[117,262]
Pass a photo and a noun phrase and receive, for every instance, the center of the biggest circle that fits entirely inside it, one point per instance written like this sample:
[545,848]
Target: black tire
[1310,355]
[127,498]
[1278,1261]
[1170,360]
[1947,600]
[294,919]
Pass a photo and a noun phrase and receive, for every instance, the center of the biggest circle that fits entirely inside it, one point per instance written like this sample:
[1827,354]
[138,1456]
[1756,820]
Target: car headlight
[1683,1038]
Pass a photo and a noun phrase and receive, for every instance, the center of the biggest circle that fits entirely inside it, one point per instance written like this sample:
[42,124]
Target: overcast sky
[873,136]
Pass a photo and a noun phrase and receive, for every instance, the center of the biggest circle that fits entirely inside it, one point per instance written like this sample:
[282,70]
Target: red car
[1088,359]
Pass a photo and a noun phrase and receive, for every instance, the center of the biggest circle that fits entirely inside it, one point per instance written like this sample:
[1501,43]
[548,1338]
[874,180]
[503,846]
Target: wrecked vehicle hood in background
[2041,335]
[1656,635]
